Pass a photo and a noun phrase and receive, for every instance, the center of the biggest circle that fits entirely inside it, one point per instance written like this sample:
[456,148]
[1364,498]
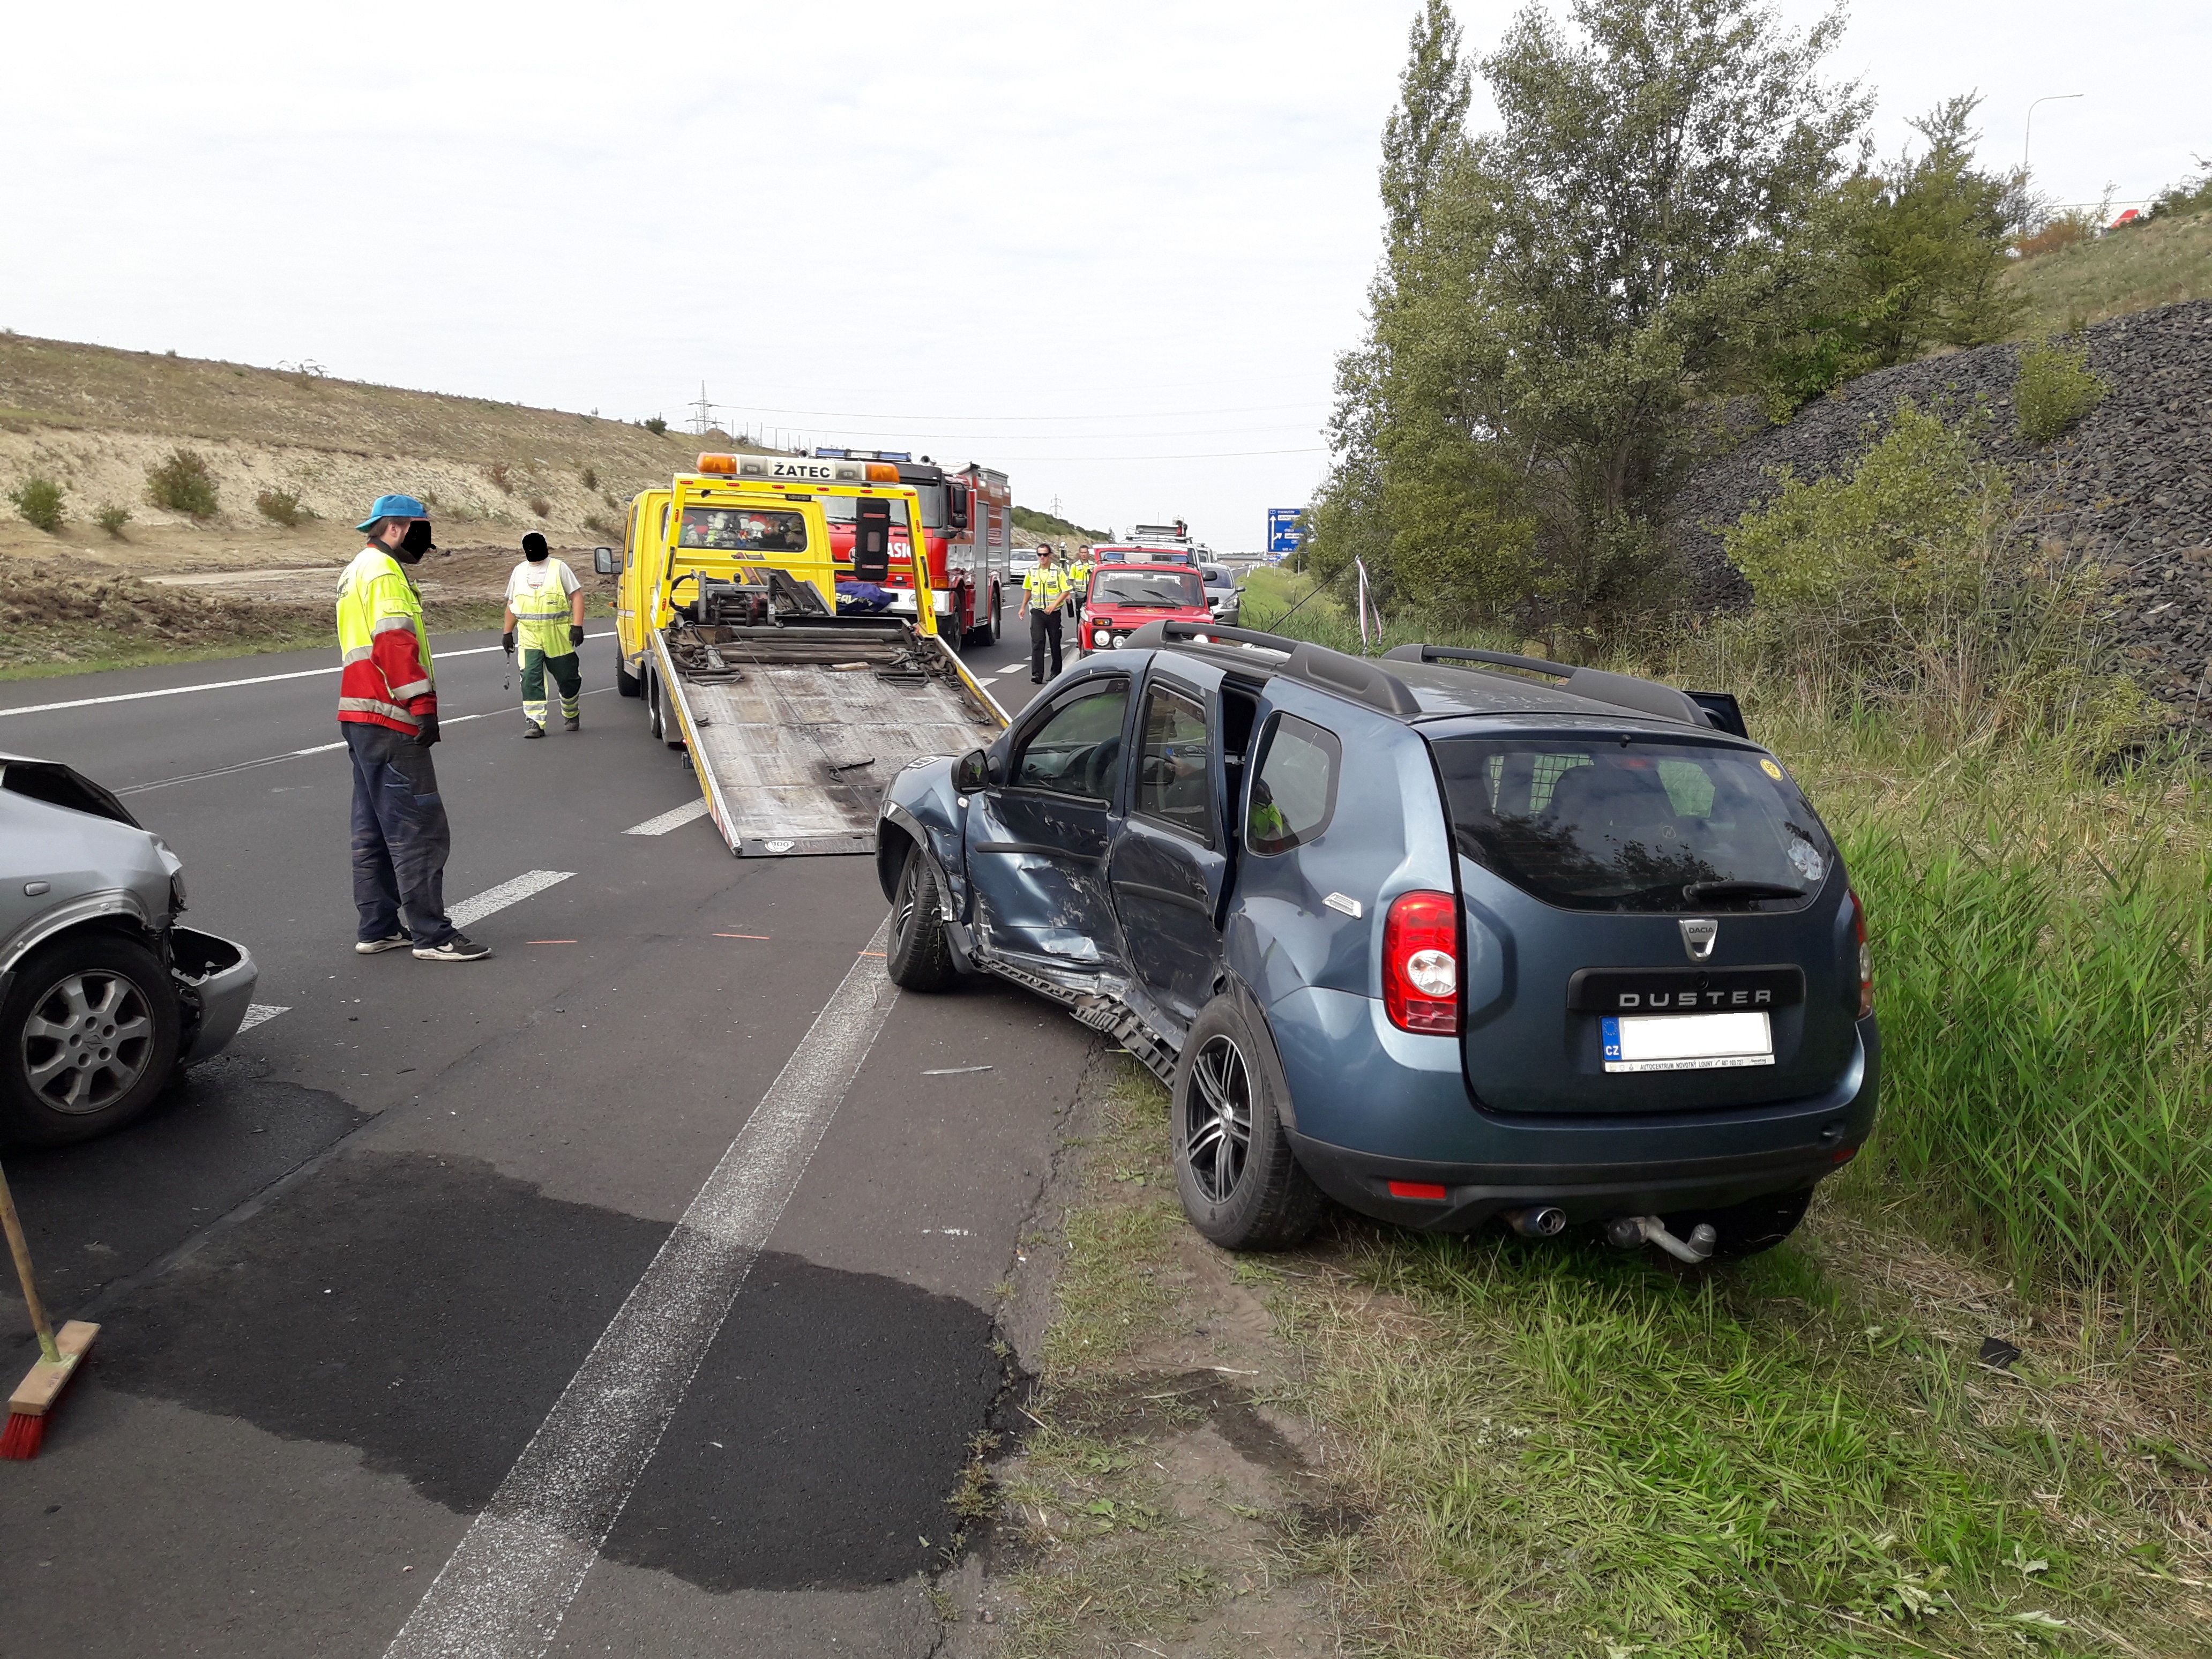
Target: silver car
[103,998]
[1223,596]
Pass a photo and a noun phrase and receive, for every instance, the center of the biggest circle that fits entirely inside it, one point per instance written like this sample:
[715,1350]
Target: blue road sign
[1283,529]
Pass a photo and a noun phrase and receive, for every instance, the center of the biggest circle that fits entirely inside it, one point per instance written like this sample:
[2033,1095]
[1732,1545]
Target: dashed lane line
[296,754]
[226,685]
[530,882]
[508,1585]
[674,818]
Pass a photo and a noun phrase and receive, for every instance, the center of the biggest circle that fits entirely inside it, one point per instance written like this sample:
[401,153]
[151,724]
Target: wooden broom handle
[19,1248]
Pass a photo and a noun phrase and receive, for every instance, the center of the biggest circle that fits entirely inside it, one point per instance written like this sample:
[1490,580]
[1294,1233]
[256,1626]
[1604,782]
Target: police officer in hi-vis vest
[545,615]
[1044,591]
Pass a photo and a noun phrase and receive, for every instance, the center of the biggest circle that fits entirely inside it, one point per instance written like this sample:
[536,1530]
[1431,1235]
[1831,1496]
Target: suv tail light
[1866,956]
[1420,962]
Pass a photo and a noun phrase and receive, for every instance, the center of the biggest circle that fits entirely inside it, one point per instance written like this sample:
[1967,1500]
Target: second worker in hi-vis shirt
[546,618]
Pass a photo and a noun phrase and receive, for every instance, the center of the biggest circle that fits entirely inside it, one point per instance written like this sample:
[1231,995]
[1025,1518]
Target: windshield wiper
[1697,891]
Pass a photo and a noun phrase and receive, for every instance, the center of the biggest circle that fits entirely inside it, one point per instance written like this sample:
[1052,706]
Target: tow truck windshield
[1169,590]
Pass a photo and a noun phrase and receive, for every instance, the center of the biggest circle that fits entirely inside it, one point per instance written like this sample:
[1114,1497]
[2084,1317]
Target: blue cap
[393,507]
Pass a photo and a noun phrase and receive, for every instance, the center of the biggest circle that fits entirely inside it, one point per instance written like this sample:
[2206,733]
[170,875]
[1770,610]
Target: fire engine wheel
[920,956]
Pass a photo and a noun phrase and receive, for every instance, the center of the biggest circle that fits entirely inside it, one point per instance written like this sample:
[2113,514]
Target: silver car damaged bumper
[217,978]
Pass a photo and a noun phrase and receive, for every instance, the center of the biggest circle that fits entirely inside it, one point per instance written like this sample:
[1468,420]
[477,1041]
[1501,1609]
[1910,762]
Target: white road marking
[225,685]
[256,1013]
[507,892]
[505,1589]
[675,818]
[295,754]
[956,1071]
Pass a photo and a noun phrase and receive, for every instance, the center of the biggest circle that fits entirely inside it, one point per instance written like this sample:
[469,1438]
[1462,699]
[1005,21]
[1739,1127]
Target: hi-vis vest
[1045,586]
[541,612]
[385,679]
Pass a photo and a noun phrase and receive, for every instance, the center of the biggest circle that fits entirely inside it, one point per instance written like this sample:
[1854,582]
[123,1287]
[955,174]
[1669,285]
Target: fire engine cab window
[742,530]
[1589,824]
[1294,794]
[1078,749]
[1171,782]
[842,509]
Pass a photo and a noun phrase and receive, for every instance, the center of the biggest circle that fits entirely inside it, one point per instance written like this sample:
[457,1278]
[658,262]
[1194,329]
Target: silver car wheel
[1218,1119]
[87,1042]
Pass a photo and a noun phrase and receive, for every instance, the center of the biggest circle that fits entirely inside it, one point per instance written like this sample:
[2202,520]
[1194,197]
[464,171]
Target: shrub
[598,526]
[39,502]
[591,479]
[497,473]
[540,505]
[2054,388]
[111,519]
[183,483]
[656,426]
[283,507]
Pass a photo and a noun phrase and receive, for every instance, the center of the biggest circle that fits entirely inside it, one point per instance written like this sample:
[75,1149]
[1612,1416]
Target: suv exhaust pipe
[1538,1221]
[1627,1231]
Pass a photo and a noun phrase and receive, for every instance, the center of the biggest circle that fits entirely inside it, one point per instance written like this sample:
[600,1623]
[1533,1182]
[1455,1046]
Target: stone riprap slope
[2130,485]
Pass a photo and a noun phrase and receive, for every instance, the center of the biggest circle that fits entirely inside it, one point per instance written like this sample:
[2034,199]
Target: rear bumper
[1477,1194]
[221,977]
[903,601]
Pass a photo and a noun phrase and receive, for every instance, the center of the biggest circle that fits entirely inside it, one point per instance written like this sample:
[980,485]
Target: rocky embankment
[2129,485]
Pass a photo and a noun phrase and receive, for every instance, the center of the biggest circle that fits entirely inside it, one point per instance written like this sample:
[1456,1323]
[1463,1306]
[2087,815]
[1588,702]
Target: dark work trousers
[400,838]
[1044,629]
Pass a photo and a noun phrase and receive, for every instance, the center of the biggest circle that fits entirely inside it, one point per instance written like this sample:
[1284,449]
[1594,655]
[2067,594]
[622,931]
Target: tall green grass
[2047,1093]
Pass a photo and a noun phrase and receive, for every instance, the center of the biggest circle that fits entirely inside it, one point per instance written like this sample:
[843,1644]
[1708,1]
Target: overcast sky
[1114,249]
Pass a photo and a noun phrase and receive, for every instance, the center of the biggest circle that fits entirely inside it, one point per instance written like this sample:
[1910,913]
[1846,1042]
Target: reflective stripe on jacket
[386,678]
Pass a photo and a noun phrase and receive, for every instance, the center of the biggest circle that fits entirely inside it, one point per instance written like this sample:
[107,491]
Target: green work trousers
[567,674]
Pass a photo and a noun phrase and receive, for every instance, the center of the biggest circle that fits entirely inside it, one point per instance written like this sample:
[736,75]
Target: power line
[1217,455]
[1098,415]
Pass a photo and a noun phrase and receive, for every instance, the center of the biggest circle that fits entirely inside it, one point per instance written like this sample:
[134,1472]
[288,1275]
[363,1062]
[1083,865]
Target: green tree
[1921,240]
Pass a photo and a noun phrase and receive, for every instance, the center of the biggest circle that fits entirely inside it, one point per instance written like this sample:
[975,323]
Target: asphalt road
[360,1264]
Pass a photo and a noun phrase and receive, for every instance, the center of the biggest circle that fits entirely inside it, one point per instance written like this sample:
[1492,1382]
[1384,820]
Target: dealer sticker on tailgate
[1687,1042]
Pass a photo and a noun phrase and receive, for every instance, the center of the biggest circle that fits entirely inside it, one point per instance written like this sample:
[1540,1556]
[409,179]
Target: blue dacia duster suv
[1450,937]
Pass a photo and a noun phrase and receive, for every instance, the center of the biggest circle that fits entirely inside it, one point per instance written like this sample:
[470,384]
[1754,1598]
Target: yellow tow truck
[796,705]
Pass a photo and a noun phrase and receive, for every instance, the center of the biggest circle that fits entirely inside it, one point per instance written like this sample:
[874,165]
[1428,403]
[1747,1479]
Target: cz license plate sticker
[1687,1042]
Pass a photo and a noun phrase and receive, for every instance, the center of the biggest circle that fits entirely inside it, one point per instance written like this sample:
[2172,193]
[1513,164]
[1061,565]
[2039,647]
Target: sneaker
[370,947]
[456,949]
[573,723]
[533,729]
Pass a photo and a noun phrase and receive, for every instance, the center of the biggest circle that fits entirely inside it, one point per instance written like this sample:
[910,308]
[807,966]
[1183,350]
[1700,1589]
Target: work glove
[507,642]
[426,733]
[575,633]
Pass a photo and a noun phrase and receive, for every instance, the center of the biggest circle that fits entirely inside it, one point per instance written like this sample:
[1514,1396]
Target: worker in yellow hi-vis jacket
[545,616]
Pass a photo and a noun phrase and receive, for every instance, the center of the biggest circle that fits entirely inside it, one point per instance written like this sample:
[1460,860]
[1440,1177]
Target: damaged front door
[1037,843]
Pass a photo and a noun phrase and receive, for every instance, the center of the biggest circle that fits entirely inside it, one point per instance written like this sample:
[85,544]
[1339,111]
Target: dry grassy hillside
[2168,259]
[93,420]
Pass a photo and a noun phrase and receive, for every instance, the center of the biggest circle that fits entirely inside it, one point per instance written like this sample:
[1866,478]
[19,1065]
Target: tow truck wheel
[88,1035]
[919,957]
[629,685]
[1240,1182]
[652,702]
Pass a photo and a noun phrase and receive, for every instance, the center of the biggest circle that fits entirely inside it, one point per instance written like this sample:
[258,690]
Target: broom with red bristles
[58,1355]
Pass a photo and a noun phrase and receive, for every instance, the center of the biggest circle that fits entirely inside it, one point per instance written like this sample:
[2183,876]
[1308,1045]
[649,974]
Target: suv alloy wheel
[1240,1183]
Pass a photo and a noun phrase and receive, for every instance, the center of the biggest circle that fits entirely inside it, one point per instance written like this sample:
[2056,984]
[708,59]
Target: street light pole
[2028,131]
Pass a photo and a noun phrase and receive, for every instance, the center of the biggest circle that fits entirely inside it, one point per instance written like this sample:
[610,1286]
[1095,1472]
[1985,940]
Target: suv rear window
[1646,825]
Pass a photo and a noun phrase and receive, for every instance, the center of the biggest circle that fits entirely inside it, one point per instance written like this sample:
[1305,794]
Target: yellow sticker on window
[1770,770]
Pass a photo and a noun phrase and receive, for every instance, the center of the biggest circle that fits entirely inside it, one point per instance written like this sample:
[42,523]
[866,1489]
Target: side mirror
[971,772]
[602,561]
[956,506]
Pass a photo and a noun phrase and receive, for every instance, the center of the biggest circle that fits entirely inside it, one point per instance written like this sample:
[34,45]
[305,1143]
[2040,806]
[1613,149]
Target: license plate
[1687,1042]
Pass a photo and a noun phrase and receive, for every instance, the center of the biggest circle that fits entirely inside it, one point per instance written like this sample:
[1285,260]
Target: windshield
[1589,823]
[742,530]
[843,509]
[1165,589]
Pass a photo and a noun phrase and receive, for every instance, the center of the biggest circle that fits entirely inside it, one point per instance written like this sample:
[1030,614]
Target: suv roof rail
[1317,665]
[1598,685]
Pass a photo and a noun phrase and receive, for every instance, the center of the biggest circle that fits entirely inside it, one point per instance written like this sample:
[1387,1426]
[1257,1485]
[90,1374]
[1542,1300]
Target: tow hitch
[1625,1232]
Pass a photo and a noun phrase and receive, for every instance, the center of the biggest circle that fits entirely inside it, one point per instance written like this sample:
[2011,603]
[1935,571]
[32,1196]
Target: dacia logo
[1699,937]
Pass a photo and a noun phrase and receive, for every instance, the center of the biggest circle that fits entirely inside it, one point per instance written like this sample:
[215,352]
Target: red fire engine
[967,523]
